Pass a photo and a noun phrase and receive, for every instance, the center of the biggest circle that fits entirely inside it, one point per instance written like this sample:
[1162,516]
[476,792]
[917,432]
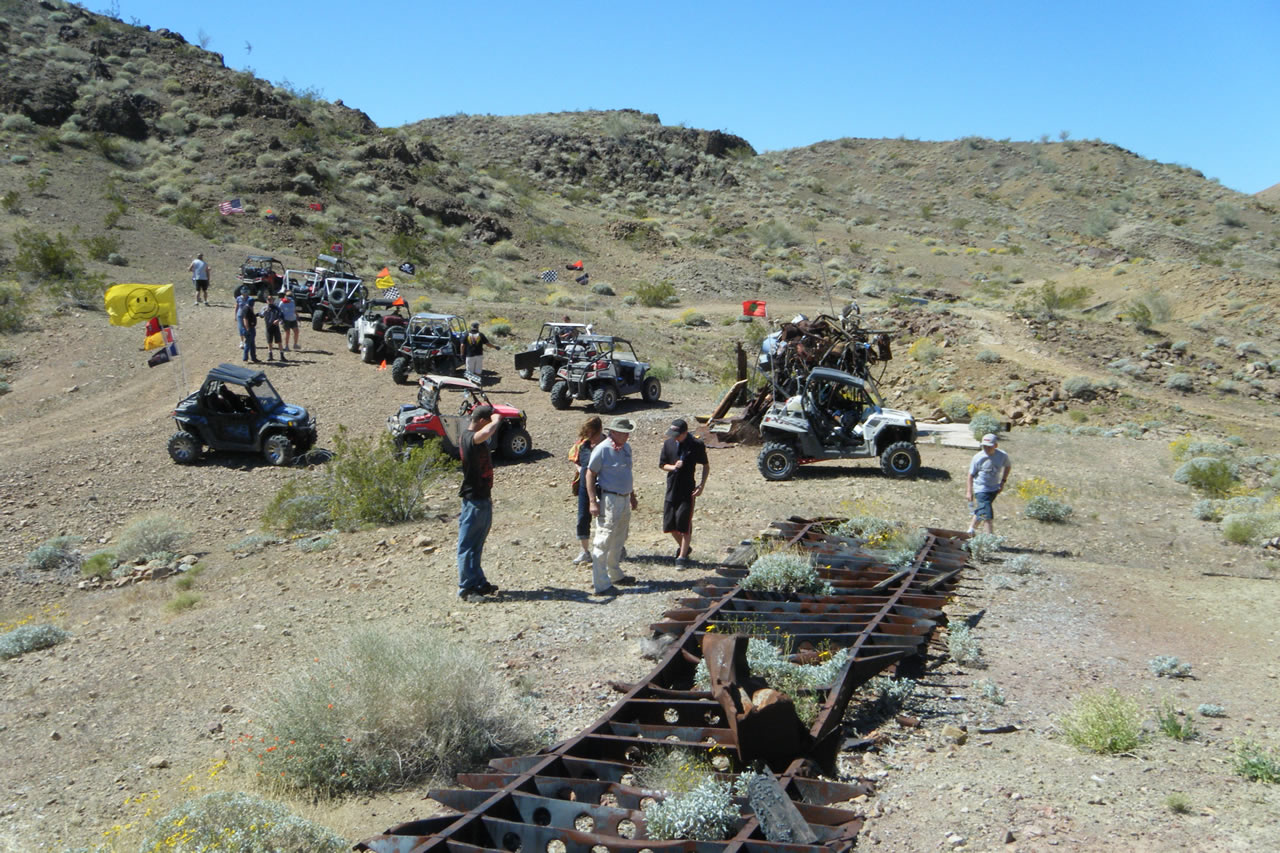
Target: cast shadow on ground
[535,454]
[585,596]
[828,471]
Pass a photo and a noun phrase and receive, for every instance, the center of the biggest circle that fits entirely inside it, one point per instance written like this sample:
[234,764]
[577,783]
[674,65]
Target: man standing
[477,505]
[288,319]
[271,318]
[681,452]
[610,499]
[200,278]
[473,345]
[988,472]
[248,330]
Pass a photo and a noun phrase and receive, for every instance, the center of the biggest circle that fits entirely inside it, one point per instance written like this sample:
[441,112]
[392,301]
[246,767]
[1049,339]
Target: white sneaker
[583,557]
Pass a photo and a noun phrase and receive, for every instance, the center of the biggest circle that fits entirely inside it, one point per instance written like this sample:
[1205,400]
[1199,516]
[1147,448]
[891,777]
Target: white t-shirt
[988,470]
[199,270]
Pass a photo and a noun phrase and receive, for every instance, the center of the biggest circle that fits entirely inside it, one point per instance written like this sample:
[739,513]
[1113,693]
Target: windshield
[265,394]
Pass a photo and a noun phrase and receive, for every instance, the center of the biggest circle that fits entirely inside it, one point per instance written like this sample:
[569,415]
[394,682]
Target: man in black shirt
[477,507]
[473,344]
[680,453]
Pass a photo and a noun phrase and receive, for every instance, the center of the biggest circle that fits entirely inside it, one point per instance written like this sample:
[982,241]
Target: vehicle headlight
[289,423]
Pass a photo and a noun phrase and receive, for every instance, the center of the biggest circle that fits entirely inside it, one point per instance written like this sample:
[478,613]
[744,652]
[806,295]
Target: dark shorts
[201,283]
[273,334]
[290,325]
[677,515]
[982,505]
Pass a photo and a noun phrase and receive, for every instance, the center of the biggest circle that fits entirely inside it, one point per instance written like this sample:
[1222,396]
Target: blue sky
[1194,83]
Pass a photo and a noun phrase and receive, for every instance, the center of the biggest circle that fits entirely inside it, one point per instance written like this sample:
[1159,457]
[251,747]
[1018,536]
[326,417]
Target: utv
[327,266]
[555,346]
[258,276]
[369,335]
[836,415]
[430,343]
[301,286]
[414,425]
[339,301]
[603,370]
[238,409]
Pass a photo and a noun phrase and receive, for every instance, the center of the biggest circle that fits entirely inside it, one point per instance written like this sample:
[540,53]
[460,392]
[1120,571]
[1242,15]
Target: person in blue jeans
[988,471]
[248,330]
[477,503]
[590,434]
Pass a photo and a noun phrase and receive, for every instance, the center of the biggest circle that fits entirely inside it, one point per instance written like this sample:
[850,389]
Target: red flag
[316,205]
[576,265]
[753,308]
[153,327]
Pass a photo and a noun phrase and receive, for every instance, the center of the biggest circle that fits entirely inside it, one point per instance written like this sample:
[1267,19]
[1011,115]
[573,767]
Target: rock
[55,736]
[955,734]
[422,541]
[226,709]
[189,560]
[157,762]
[213,727]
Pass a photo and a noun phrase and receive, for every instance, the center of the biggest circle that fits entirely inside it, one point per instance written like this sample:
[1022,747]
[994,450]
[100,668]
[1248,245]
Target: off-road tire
[651,390]
[400,370]
[560,397]
[353,339]
[777,461]
[546,376]
[368,354]
[901,460]
[278,450]
[516,443]
[317,319]
[605,398]
[184,448]
[527,373]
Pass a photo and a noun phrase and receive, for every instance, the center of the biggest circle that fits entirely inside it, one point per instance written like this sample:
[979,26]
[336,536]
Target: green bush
[1255,763]
[99,564]
[956,406]
[14,303]
[1177,726]
[1045,508]
[1079,387]
[661,294]
[101,247]
[983,423]
[194,218]
[1209,474]
[30,638]
[368,482]
[384,710]
[1249,528]
[602,288]
[1180,382]
[155,535]
[45,257]
[1103,722]
[236,821]
[785,572]
[54,553]
[988,356]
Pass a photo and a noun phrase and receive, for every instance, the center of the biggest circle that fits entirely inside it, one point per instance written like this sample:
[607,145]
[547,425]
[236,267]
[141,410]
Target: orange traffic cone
[383,366]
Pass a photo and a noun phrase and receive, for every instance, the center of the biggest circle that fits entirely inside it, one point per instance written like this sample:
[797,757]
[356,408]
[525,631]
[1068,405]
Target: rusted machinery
[584,794]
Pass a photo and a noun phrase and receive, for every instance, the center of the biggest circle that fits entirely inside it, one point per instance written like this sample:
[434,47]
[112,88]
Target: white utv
[836,415]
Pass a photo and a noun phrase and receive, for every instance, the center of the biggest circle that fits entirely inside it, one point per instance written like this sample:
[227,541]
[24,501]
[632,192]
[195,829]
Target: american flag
[549,276]
[392,292]
[229,207]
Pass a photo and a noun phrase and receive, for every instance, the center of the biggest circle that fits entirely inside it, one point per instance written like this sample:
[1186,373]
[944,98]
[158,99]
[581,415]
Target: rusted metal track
[583,795]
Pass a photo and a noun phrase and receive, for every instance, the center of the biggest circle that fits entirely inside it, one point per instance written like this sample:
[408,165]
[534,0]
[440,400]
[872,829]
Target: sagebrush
[785,572]
[30,638]
[153,535]
[237,822]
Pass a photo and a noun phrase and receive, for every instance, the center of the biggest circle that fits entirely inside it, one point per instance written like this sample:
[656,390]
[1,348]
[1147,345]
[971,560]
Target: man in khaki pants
[611,497]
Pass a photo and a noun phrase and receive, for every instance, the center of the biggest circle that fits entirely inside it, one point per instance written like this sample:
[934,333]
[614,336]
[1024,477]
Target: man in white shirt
[988,471]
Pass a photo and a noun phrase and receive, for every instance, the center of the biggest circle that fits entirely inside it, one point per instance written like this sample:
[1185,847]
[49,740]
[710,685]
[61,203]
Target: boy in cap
[610,498]
[473,344]
[988,471]
[681,452]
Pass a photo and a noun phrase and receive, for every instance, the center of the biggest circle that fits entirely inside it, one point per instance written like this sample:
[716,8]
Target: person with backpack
[473,344]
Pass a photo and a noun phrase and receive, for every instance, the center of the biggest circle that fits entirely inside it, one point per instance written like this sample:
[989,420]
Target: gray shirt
[612,466]
[988,471]
[199,270]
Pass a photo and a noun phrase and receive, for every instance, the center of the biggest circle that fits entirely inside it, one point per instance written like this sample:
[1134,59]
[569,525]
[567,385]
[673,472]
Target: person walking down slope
[988,471]
[611,498]
[199,270]
[473,344]
[477,503]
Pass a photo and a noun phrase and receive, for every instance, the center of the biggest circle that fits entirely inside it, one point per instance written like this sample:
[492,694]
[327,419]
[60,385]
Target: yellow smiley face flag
[129,304]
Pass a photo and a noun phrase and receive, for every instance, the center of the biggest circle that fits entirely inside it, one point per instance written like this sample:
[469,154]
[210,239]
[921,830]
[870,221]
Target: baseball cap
[475,326]
[990,440]
[677,426]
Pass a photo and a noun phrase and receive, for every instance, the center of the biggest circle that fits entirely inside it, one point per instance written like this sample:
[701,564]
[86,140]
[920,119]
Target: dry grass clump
[384,710]
[151,536]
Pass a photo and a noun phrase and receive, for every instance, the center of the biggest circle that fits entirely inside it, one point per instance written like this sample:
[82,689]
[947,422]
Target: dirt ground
[135,712]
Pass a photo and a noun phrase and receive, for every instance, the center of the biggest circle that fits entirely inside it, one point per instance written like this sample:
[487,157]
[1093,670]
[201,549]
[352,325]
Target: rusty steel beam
[586,792]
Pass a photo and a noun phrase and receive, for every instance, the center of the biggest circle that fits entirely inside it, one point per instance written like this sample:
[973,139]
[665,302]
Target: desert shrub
[506,250]
[30,638]
[705,813]
[987,356]
[1033,487]
[253,543]
[291,509]
[663,372]
[1249,528]
[984,422]
[924,350]
[1177,726]
[194,218]
[962,645]
[1255,763]
[656,295]
[150,536]
[1208,709]
[1207,509]
[54,553]
[772,663]
[99,564]
[776,235]
[1023,564]
[602,288]
[991,691]
[1104,722]
[234,820]
[785,572]
[1047,300]
[1045,508]
[11,201]
[14,303]
[891,693]
[691,317]
[984,546]
[1169,666]
[1229,215]
[956,406]
[384,710]
[1209,474]
[1180,382]
[184,600]
[18,123]
[1080,387]
[1098,223]
[101,247]
[314,544]
[45,257]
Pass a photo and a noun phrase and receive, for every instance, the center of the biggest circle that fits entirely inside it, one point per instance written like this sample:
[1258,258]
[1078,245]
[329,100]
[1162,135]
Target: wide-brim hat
[620,425]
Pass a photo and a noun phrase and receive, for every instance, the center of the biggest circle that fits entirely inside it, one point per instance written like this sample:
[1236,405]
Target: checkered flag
[549,276]
[392,292]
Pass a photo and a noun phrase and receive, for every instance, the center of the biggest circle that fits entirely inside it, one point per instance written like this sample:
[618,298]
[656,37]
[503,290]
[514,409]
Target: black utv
[238,409]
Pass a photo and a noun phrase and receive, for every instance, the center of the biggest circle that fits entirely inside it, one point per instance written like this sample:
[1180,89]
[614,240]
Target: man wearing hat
[610,498]
[473,345]
[988,472]
[681,452]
